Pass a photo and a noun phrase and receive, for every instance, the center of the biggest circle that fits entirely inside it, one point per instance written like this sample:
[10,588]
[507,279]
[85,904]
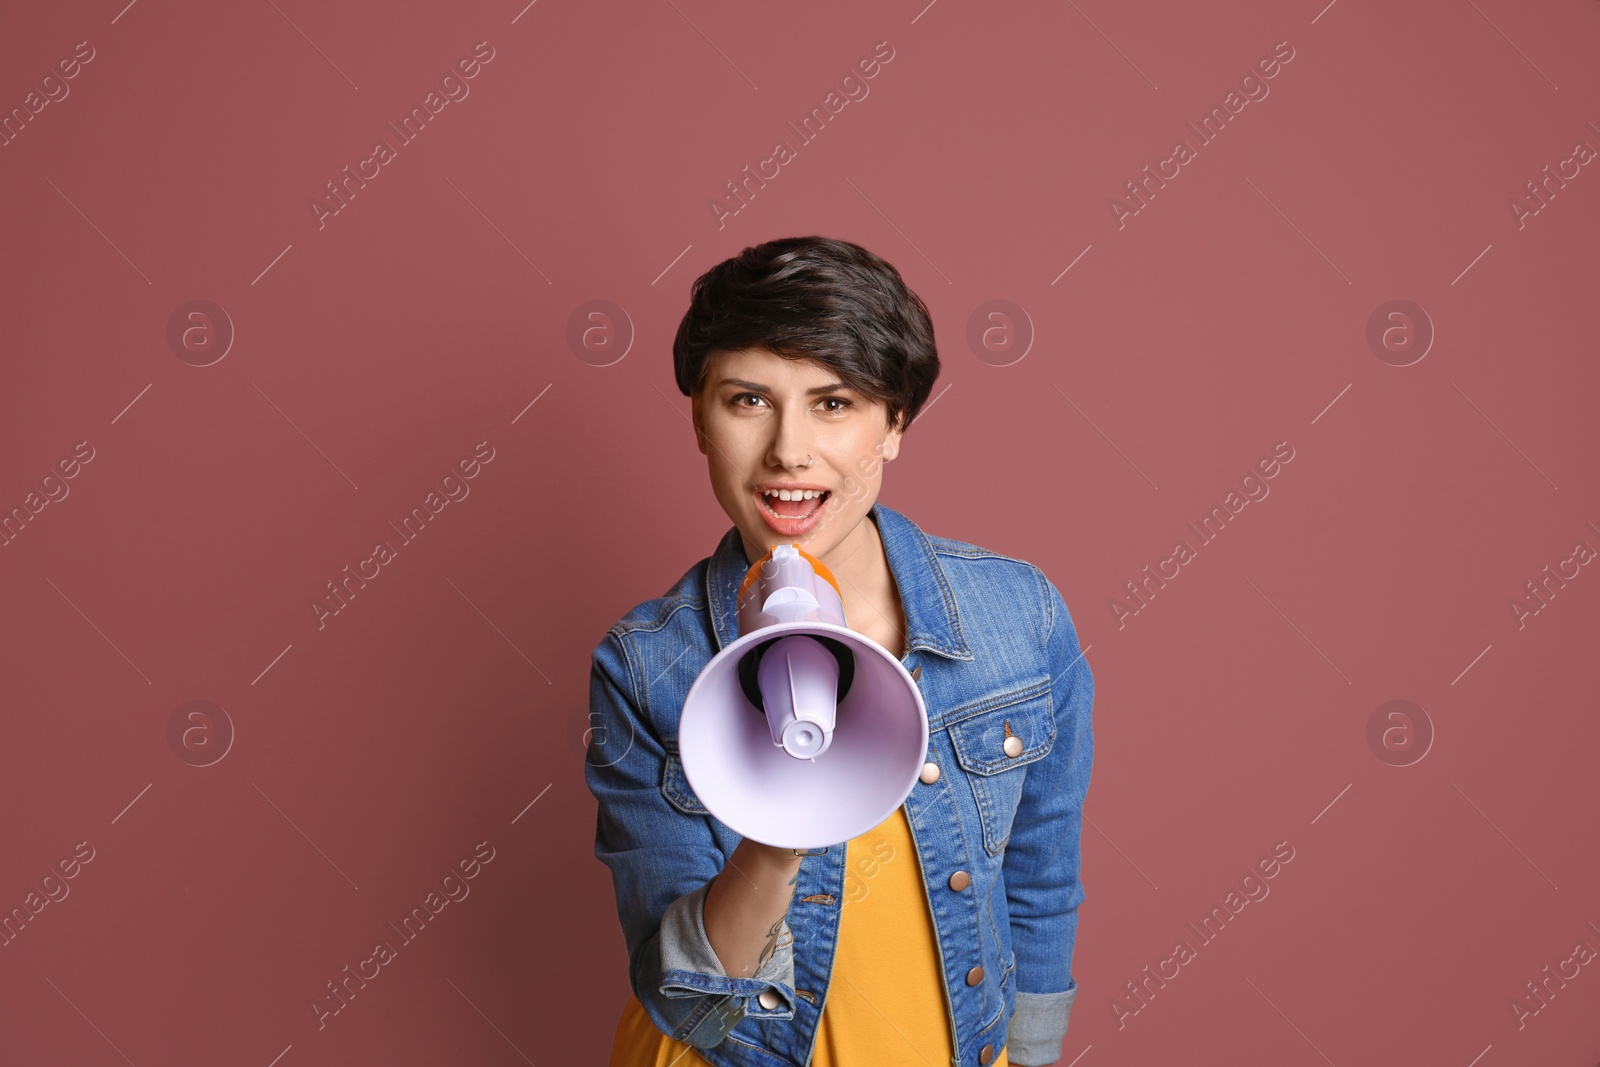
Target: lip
[790,485]
[790,527]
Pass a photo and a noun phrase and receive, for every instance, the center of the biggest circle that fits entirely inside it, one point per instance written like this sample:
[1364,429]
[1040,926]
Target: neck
[867,586]
[859,561]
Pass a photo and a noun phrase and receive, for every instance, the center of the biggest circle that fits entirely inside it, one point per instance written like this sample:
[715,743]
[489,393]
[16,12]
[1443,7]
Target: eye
[841,401]
[735,400]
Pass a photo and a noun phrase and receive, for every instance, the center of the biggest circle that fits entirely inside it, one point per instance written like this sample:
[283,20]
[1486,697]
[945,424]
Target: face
[758,417]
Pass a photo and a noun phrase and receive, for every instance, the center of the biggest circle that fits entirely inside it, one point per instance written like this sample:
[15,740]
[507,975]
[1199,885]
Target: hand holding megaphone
[801,733]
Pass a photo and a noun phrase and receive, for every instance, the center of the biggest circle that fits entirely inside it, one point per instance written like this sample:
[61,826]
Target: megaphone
[802,733]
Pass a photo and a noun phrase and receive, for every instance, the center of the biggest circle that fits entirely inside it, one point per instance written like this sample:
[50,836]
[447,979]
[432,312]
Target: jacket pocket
[675,787]
[996,775]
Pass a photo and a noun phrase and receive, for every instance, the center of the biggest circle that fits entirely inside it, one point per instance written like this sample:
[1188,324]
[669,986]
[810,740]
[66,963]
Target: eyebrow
[831,387]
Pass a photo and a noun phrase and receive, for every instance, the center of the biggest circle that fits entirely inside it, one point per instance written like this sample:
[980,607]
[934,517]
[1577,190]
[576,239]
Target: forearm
[663,863]
[747,903]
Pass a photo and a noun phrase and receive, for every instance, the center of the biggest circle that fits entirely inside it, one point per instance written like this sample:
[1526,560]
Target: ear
[699,425]
[891,444]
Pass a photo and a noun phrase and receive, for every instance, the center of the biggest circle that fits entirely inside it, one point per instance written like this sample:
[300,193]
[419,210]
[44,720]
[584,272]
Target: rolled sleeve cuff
[1039,1026]
[690,967]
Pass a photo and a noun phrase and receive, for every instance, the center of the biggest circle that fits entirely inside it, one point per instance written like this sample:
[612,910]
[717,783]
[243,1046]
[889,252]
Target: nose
[791,447]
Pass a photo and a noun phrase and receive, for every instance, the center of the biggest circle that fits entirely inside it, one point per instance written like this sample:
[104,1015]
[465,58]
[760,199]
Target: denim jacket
[994,649]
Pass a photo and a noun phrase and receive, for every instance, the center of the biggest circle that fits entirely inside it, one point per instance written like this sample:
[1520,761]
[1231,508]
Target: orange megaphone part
[816,564]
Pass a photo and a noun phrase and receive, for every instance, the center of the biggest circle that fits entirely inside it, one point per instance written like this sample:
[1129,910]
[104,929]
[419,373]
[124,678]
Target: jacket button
[916,673]
[1013,746]
[930,773]
[768,999]
[986,1054]
[960,880]
[975,976]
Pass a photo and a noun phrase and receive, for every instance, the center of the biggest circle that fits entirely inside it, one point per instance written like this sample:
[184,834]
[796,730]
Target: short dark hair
[814,298]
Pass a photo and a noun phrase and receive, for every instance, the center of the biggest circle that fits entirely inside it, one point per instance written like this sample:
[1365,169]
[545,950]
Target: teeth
[785,494]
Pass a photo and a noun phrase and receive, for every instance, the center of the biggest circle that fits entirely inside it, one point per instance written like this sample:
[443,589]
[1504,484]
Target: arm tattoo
[771,945]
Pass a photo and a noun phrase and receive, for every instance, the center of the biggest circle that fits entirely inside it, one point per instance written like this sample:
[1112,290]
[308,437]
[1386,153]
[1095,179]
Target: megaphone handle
[809,851]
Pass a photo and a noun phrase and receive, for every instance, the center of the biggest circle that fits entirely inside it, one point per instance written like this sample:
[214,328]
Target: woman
[945,934]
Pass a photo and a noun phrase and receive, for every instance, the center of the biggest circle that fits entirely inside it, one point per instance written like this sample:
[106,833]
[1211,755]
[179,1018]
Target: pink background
[372,753]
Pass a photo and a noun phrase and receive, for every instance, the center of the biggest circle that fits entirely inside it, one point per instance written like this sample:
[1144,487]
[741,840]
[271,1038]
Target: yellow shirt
[886,971]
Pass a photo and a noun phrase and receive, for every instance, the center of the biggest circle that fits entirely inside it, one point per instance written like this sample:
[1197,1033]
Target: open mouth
[792,509]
